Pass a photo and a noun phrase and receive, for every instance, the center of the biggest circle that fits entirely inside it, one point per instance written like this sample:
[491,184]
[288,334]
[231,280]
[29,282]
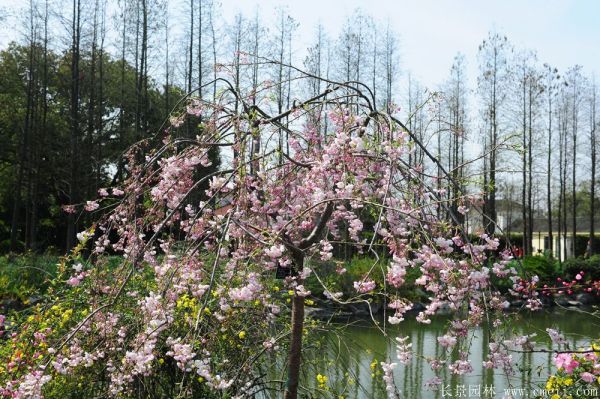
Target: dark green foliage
[26,276]
[541,266]
[107,128]
[545,267]
[590,266]
[506,241]
[581,244]
[356,269]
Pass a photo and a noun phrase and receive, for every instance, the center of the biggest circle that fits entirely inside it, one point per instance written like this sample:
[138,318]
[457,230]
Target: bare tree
[527,95]
[575,81]
[593,104]
[74,194]
[391,65]
[493,67]
[551,87]
[456,95]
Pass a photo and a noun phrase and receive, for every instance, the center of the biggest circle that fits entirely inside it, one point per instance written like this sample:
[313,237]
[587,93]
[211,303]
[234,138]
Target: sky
[563,32]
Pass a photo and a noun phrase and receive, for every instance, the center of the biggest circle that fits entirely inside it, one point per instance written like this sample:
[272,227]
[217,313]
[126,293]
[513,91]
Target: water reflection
[345,356]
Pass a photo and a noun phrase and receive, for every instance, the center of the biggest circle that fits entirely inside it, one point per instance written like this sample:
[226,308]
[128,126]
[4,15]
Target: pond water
[345,355]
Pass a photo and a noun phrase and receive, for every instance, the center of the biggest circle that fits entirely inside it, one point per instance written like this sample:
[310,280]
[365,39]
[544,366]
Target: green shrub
[26,275]
[581,244]
[356,269]
[590,266]
[543,267]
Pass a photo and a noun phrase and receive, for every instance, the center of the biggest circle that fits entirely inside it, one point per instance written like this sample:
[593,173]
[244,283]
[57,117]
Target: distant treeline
[89,78]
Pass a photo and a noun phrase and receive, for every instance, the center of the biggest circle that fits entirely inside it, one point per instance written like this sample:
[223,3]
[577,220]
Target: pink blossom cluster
[400,308]
[403,350]
[248,292]
[566,361]
[176,178]
[388,379]
[397,271]
[499,357]
[182,353]
[364,286]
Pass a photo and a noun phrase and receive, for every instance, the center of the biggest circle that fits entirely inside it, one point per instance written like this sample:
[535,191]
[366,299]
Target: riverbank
[25,278]
[329,310]
[355,374]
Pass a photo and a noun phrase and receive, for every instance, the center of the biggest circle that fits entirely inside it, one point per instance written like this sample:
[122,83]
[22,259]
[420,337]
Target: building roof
[541,225]
[504,205]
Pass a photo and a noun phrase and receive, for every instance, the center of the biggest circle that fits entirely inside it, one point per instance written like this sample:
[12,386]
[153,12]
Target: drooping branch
[318,230]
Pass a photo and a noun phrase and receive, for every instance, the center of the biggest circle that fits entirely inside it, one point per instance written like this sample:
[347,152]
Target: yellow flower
[161,361]
[555,396]
[596,348]
[373,364]
[67,314]
[242,334]
[321,379]
[569,382]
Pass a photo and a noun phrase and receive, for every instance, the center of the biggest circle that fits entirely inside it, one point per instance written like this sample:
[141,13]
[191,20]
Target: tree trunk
[74,135]
[549,176]
[530,177]
[592,249]
[574,186]
[524,172]
[295,352]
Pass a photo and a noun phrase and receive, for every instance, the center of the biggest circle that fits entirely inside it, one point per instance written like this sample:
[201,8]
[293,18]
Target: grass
[24,276]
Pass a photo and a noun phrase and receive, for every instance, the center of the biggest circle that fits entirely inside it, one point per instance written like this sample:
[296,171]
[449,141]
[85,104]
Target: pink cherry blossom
[556,336]
[74,281]
[364,286]
[566,361]
[275,251]
[91,206]
[587,377]
[447,341]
